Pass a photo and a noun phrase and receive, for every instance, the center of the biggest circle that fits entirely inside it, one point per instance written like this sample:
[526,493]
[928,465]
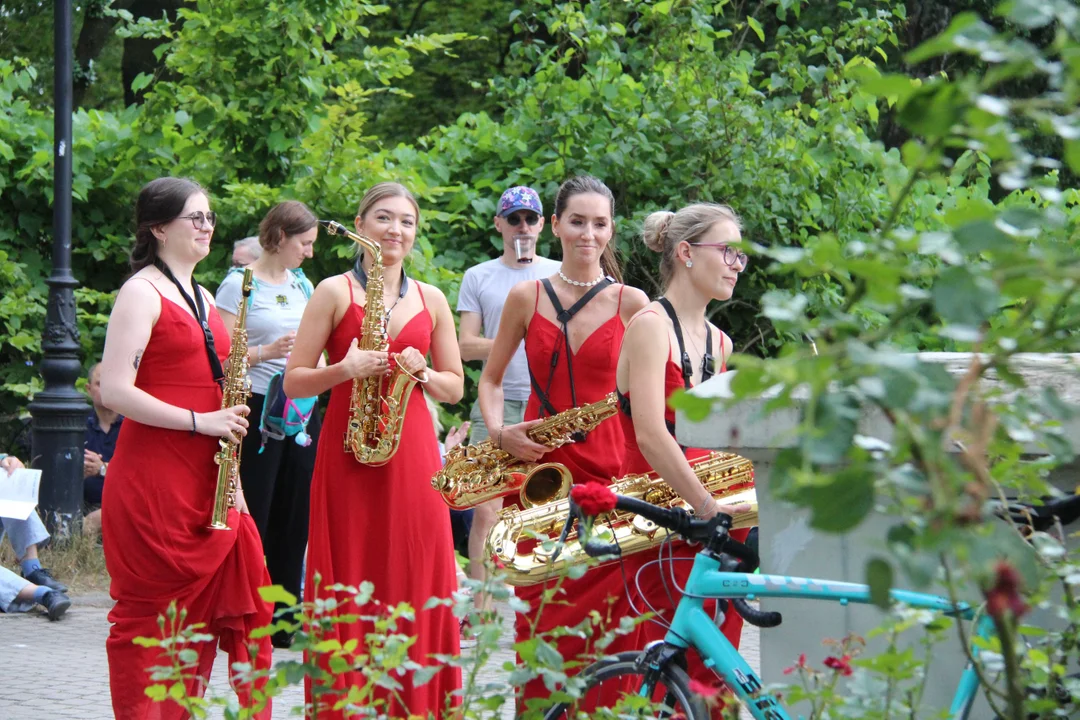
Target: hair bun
[656,228]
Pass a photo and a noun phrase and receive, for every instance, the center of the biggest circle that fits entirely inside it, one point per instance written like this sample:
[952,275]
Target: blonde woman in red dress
[385,524]
[572,363]
[671,345]
[162,363]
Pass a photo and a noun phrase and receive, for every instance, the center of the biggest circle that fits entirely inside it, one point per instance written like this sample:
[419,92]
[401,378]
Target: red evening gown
[596,460]
[652,586]
[386,525]
[157,546]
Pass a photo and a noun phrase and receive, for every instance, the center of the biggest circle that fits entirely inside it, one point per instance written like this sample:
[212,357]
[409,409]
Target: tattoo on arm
[137,359]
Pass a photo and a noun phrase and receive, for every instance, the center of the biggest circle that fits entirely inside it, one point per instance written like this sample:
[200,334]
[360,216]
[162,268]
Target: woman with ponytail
[572,324]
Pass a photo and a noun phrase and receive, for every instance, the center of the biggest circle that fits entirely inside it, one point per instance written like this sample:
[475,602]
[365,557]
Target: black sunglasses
[516,218]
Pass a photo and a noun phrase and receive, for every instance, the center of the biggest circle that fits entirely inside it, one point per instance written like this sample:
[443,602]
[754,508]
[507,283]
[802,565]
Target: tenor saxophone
[474,474]
[237,390]
[378,403]
[728,478]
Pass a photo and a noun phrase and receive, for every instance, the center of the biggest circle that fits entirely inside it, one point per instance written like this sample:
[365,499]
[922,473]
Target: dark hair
[579,185]
[160,201]
[664,230]
[286,219]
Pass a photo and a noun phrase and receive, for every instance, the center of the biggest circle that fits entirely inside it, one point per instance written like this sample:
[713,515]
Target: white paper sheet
[19,493]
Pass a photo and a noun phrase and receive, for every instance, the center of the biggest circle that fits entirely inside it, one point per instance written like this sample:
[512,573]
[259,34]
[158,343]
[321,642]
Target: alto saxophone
[729,478]
[474,474]
[237,390]
[378,403]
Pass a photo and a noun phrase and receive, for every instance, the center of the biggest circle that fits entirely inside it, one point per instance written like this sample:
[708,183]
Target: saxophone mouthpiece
[333,227]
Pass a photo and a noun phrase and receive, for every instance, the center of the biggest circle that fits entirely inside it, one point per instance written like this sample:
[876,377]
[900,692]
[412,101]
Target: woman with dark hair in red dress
[161,371]
[572,363]
[670,345]
[383,524]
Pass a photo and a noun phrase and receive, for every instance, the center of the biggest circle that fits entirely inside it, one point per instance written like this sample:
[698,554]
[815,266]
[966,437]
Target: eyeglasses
[516,218]
[200,220]
[730,253]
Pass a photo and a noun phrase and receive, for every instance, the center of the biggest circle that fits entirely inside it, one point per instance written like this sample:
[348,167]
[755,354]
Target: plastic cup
[525,248]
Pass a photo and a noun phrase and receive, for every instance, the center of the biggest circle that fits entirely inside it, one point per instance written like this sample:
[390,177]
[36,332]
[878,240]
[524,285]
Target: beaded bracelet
[192,420]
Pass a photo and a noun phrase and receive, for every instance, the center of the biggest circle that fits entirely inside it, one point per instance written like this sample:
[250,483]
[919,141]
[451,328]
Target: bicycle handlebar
[712,533]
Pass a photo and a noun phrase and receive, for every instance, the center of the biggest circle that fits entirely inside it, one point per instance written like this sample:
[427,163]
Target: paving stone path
[58,671]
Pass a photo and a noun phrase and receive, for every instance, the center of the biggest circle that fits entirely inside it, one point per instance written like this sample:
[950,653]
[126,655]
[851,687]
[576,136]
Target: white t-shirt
[274,311]
[483,290]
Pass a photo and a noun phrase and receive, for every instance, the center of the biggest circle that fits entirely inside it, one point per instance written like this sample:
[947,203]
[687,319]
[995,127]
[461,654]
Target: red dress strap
[421,291]
[536,302]
[349,281]
[150,284]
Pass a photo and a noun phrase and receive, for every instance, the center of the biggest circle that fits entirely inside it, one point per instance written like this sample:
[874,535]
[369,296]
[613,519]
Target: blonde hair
[384,190]
[664,230]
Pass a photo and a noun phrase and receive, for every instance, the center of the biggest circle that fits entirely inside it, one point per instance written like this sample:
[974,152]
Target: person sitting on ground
[102,430]
[19,594]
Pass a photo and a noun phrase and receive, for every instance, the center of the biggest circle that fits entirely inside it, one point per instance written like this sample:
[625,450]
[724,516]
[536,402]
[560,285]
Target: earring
[689,263]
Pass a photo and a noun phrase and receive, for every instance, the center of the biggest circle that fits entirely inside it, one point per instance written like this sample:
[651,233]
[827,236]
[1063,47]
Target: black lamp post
[60,411]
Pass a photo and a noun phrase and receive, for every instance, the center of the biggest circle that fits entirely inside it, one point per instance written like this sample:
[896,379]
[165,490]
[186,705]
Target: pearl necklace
[568,281]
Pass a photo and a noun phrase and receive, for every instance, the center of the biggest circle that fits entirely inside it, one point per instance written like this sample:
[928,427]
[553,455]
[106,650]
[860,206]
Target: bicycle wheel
[616,677]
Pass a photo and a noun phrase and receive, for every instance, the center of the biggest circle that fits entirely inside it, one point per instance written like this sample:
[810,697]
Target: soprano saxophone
[378,403]
[519,540]
[237,390]
[474,474]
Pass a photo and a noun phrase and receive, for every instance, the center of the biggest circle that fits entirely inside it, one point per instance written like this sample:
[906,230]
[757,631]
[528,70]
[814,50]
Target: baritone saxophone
[236,391]
[378,403]
[517,541]
[474,474]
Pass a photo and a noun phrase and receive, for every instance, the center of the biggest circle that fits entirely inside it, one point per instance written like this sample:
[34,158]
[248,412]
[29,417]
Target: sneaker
[43,577]
[55,604]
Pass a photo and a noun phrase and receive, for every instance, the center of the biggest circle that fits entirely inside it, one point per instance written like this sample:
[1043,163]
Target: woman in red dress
[564,377]
[382,524]
[160,371]
[670,345]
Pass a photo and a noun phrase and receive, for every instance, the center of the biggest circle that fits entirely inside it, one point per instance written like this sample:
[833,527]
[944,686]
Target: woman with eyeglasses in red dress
[162,370]
[671,345]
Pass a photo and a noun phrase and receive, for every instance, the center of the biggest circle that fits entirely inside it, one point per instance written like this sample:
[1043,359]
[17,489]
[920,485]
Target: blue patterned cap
[520,198]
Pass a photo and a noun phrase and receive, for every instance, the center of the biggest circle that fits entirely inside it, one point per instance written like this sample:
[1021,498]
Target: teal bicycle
[723,570]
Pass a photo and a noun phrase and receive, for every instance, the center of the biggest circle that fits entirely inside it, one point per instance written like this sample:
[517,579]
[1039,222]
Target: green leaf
[843,503]
[964,298]
[756,27]
[879,576]
[424,675]
[141,81]
[277,594]
[1072,155]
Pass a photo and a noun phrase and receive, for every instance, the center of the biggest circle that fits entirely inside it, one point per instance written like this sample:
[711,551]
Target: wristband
[192,421]
[258,359]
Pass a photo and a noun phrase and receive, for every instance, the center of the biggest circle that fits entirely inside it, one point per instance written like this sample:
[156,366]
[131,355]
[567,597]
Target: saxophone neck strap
[708,362]
[198,308]
[564,317]
[361,277]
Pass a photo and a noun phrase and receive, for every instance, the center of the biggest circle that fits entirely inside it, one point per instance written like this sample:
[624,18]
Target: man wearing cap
[519,220]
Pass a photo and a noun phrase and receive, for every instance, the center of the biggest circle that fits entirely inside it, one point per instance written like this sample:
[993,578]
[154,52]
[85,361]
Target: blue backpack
[283,416]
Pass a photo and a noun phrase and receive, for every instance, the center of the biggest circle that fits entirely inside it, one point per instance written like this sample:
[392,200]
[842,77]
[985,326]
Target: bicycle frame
[693,627]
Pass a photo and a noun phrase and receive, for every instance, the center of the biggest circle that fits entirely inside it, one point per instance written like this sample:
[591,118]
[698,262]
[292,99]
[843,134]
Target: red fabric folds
[158,549]
[386,525]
